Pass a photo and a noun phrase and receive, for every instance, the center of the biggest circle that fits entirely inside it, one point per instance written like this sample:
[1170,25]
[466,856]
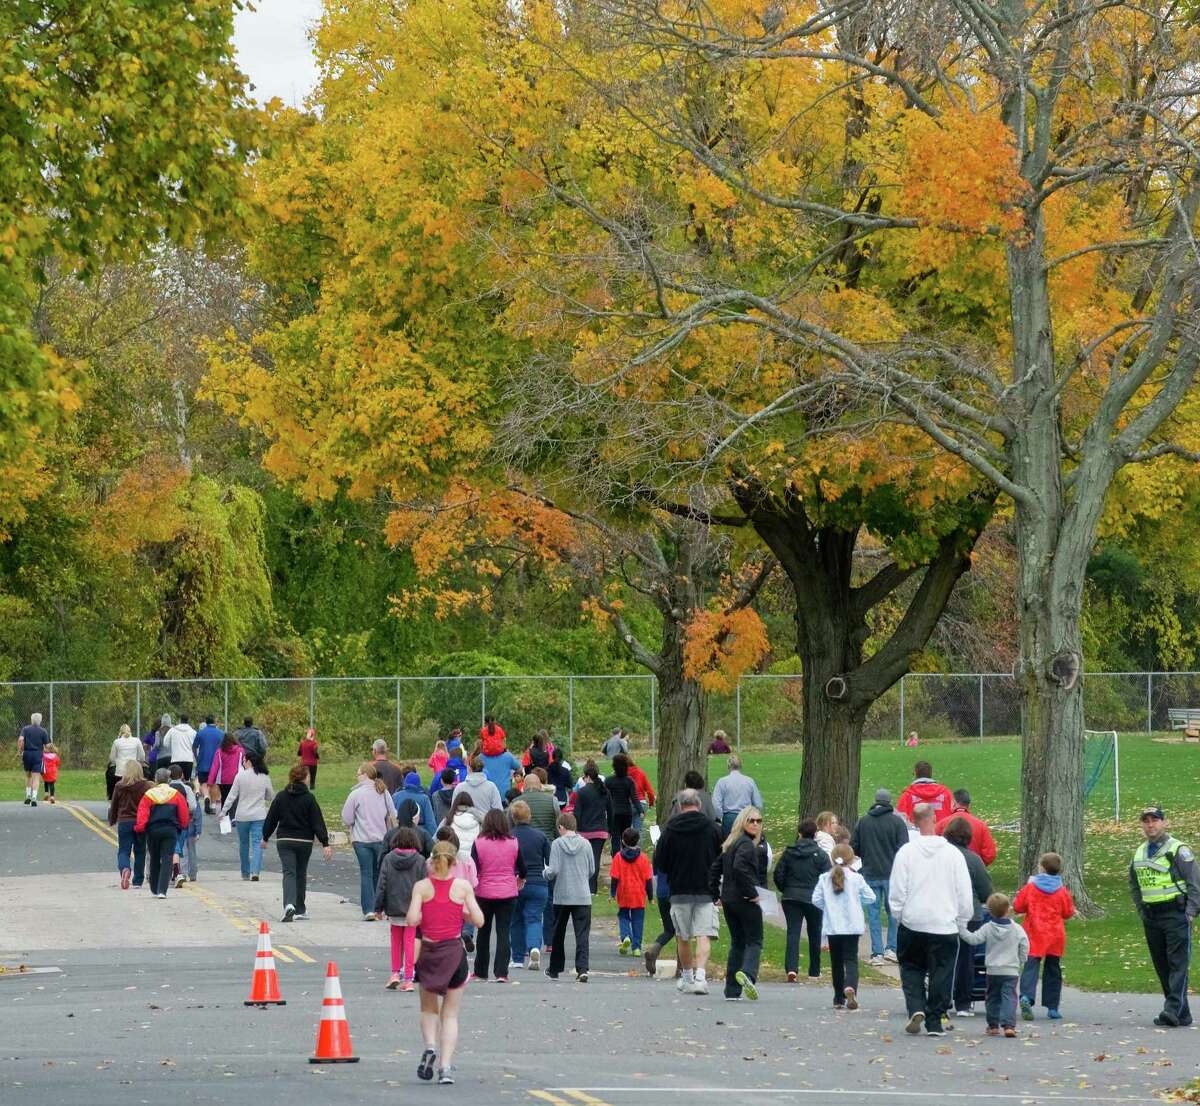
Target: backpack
[493,743]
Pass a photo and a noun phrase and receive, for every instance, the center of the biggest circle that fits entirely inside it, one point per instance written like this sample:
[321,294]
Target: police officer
[1166,890]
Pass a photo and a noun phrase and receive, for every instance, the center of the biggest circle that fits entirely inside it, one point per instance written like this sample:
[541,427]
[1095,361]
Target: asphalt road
[147,1002]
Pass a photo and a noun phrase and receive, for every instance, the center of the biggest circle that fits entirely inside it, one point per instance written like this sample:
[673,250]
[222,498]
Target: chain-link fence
[409,712]
[83,716]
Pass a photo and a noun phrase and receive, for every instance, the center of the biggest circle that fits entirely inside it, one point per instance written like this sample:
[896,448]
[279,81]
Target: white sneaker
[302,916]
[877,961]
[700,987]
[684,983]
[890,956]
[289,912]
[515,966]
[965,1012]
[180,880]
[535,960]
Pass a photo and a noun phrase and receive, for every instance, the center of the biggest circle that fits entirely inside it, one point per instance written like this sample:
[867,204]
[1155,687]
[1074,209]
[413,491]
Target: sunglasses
[751,821]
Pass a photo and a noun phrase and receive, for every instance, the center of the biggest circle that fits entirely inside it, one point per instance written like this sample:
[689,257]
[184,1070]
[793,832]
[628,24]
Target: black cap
[1151,812]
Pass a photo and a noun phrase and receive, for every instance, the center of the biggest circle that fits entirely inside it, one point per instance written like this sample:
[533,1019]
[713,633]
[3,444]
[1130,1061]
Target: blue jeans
[1051,972]
[526,929]
[250,847]
[128,841]
[875,918]
[370,858]
[630,920]
[1001,1001]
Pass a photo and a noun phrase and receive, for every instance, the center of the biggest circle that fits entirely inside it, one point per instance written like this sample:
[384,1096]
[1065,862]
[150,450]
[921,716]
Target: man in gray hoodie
[484,794]
[570,868]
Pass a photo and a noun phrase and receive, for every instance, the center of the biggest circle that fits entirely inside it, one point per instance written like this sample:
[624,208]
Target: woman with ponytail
[368,813]
[440,905]
[842,893]
[736,876]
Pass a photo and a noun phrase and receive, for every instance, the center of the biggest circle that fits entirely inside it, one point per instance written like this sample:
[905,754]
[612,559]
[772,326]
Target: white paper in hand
[655,834]
[772,909]
[226,824]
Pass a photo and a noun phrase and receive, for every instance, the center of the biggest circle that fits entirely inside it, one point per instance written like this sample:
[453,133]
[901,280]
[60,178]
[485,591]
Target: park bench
[1186,719]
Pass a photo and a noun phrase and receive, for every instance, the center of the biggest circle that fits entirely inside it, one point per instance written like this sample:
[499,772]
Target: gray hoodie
[571,867]
[484,794]
[1007,945]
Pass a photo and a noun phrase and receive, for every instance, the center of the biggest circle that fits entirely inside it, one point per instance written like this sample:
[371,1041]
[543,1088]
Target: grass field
[1107,953]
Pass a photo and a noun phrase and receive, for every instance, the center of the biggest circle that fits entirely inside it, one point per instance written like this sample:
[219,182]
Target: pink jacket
[225,766]
[498,860]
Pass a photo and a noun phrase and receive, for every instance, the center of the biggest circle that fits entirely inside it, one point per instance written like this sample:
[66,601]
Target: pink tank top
[441,917]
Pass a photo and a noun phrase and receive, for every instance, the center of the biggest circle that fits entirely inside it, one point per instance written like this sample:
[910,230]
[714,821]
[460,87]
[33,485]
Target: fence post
[137,707]
[653,713]
[1149,702]
[571,715]
[50,710]
[737,700]
[902,682]
[482,700]
[980,707]
[312,703]
[226,714]
[398,735]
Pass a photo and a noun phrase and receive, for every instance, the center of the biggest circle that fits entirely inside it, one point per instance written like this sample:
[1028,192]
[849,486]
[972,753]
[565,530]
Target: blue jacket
[499,770]
[534,847]
[418,796]
[206,742]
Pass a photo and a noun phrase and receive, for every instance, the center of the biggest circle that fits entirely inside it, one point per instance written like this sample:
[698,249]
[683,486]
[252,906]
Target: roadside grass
[1102,954]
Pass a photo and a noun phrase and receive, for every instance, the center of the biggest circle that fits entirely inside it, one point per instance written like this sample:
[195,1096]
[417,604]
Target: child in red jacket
[1046,904]
[631,883]
[50,762]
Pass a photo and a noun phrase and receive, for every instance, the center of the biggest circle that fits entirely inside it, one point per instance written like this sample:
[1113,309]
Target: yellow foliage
[720,646]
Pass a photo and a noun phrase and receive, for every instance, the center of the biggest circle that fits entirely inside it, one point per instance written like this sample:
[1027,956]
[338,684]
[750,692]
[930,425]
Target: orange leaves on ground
[721,645]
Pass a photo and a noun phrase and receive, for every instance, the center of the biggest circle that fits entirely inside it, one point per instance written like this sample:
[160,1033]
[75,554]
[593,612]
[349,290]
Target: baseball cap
[1151,812]
[883,795]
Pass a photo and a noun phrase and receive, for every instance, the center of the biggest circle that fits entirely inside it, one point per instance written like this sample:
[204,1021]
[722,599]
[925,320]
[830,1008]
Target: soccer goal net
[1101,774]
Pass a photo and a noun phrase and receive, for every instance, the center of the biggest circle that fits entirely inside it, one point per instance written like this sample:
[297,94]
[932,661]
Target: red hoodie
[642,783]
[983,845]
[937,795]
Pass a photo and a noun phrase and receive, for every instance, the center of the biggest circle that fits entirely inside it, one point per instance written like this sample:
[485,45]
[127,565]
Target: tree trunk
[681,732]
[829,777]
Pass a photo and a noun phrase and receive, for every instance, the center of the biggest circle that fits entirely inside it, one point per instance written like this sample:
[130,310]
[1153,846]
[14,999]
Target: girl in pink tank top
[441,917]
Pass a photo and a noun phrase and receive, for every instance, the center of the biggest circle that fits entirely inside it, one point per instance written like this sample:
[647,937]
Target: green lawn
[1104,954]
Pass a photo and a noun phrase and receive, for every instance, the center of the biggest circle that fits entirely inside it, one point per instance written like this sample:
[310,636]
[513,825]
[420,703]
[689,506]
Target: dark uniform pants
[1169,938]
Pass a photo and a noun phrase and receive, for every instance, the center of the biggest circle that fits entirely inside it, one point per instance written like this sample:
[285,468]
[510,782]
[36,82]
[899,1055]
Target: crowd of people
[500,857]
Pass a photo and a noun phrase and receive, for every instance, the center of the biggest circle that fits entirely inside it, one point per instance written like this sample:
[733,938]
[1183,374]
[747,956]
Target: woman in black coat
[736,876]
[623,792]
[593,814]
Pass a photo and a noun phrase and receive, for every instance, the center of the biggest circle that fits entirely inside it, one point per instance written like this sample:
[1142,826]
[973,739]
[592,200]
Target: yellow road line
[584,1097]
[94,819]
[297,953]
[553,1099]
[86,818]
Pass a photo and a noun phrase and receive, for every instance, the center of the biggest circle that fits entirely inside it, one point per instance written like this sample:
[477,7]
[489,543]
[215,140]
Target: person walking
[438,758]
[615,745]
[294,819]
[440,906]
[368,813]
[501,871]
[177,747]
[622,791]
[631,883]
[309,752]
[958,833]
[734,793]
[1007,951]
[252,740]
[492,737]
[125,747]
[734,879]
[840,895]
[226,764]
[693,781]
[539,752]
[500,769]
[31,744]
[796,876]
[930,893]
[387,769]
[162,812]
[571,874]
[122,813]
[205,745]
[485,795]
[247,803]
[413,790]
[527,934]
[878,836]
[402,869]
[560,777]
[1046,904]
[443,798]
[645,793]
[1165,884]
[689,845]
[983,844]
[543,809]
[594,814]
[924,789]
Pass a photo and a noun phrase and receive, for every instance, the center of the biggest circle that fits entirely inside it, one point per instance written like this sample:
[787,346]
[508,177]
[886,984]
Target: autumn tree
[120,123]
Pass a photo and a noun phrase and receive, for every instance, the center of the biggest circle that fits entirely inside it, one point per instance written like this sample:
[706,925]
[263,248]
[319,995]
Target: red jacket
[162,805]
[631,878]
[308,752]
[642,782]
[937,795]
[50,767]
[1045,914]
[983,844]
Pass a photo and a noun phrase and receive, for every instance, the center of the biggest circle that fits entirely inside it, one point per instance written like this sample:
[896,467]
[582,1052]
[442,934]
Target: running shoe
[289,913]
[964,1012]
[581,977]
[699,987]
[33,802]
[877,961]
[1010,1031]
[180,880]
[636,952]
[254,878]
[890,956]
[445,1076]
[501,979]
[684,982]
[126,876]
[792,977]
[915,1023]
[302,916]
[425,1067]
[28,800]
[1053,1014]
[934,1029]
[407,985]
[535,960]
[518,965]
[1026,1010]
[468,942]
[393,983]
[747,986]
[851,998]
[624,947]
[551,975]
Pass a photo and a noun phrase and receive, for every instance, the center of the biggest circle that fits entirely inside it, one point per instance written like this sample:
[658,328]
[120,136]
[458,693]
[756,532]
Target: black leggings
[799,914]
[668,923]
[499,911]
[843,959]
[620,823]
[312,776]
[597,844]
[160,847]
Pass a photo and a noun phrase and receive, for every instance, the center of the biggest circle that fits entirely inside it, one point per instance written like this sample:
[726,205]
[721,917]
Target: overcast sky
[273,49]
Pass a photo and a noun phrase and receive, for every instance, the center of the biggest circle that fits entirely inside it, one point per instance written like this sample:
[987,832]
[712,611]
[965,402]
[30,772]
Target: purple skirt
[442,965]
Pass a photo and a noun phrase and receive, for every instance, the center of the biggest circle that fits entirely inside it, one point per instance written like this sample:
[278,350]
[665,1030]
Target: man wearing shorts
[30,744]
[686,851]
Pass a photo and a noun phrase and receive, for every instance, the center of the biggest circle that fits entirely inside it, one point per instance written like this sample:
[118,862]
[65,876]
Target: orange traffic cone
[333,1034]
[264,987]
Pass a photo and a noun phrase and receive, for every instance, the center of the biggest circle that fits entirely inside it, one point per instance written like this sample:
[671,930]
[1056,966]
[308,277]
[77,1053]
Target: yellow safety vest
[1154,876]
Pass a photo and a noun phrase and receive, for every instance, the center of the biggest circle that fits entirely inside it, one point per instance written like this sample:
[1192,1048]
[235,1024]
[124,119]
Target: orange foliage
[720,646]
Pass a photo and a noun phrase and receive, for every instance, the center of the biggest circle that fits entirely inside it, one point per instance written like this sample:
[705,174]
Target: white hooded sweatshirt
[930,889]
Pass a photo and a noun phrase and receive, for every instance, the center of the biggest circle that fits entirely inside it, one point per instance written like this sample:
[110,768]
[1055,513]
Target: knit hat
[883,795]
[453,743]
[412,780]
